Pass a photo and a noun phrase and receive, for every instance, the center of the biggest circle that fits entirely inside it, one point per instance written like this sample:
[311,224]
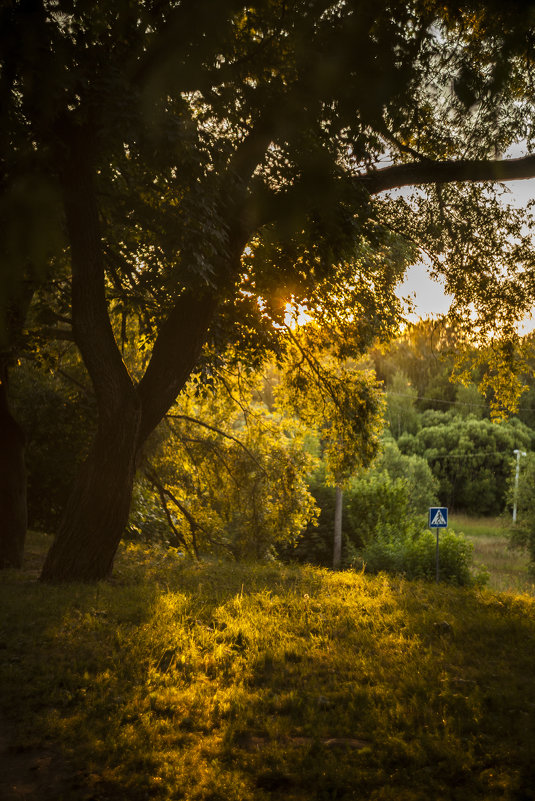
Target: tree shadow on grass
[236,682]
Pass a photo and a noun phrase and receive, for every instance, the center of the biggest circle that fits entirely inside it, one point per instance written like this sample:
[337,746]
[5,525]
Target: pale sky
[428,296]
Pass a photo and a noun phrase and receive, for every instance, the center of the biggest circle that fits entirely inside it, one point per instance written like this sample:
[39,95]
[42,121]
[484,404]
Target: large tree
[214,159]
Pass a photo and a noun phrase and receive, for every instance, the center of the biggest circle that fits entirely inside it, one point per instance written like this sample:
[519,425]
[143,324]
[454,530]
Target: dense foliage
[198,171]
[57,413]
[224,476]
[471,458]
[447,423]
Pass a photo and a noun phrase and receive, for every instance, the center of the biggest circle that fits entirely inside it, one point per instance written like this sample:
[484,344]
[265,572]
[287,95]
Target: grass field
[507,568]
[237,682]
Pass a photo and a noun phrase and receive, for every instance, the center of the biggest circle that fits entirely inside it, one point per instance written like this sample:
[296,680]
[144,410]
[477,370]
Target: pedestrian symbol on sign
[438,517]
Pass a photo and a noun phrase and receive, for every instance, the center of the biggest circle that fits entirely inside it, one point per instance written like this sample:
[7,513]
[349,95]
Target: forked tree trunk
[97,511]
[13,514]
[98,508]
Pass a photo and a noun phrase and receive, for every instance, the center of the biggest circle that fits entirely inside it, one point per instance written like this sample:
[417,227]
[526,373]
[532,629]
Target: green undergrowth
[226,682]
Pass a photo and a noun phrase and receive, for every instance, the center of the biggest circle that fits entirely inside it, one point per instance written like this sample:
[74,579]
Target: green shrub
[470,458]
[381,532]
[378,505]
[57,419]
[373,504]
[414,556]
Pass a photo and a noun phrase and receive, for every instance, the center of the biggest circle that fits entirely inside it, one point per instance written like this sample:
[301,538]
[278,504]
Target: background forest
[247,462]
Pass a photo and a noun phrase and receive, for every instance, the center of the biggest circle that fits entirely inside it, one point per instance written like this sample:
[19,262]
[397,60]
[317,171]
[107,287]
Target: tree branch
[92,328]
[50,332]
[172,360]
[442,172]
[216,430]
[165,493]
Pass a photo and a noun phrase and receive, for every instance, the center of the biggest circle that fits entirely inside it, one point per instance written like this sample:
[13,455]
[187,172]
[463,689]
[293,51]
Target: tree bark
[13,514]
[337,551]
[175,354]
[442,172]
[98,508]
[97,511]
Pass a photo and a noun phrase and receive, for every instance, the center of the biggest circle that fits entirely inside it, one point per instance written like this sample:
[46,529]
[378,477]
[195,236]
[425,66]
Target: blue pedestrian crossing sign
[438,517]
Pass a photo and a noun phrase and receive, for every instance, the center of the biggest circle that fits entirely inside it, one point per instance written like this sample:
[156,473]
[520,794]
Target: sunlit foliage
[227,475]
[340,401]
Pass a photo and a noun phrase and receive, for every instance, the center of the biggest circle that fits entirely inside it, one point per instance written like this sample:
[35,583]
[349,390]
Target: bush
[381,533]
[414,556]
[374,504]
[422,485]
[378,505]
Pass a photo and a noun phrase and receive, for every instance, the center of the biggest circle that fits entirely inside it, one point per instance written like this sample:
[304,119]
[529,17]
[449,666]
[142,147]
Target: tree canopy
[207,163]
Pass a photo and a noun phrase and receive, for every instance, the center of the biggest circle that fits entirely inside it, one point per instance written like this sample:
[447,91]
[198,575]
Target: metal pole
[517,473]
[437,557]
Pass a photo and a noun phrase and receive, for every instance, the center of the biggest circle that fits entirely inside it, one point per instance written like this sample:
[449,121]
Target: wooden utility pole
[337,554]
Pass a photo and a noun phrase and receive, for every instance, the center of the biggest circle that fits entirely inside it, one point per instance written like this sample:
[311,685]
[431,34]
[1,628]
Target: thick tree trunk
[13,515]
[97,511]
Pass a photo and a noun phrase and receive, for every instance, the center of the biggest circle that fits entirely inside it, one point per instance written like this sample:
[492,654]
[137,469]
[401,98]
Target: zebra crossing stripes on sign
[438,517]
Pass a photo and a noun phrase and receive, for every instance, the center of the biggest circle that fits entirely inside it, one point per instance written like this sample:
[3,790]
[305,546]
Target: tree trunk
[337,554]
[13,514]
[13,501]
[97,511]
[98,508]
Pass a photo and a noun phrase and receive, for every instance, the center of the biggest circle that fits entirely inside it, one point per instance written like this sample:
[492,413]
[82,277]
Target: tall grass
[243,682]
[507,568]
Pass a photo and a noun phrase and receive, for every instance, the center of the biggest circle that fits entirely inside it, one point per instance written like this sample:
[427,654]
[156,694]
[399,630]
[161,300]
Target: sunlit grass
[507,567]
[260,682]
[478,526]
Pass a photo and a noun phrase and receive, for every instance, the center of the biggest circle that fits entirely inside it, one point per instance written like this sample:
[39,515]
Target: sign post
[438,518]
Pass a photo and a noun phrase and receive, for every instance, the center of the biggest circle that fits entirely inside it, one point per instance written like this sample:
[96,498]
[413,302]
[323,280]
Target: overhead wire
[450,402]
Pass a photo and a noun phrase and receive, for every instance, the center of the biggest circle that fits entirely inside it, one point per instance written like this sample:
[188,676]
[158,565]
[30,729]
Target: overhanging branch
[217,430]
[442,172]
